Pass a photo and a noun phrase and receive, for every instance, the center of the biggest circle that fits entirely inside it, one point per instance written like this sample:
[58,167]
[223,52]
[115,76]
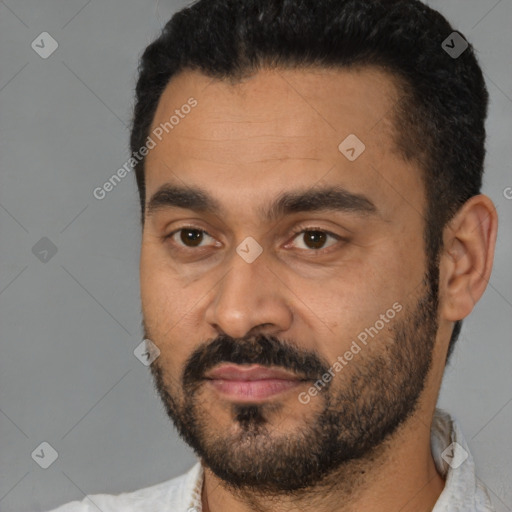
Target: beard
[351,417]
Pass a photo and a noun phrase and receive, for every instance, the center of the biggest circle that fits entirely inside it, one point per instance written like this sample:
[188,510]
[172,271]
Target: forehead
[275,129]
[298,108]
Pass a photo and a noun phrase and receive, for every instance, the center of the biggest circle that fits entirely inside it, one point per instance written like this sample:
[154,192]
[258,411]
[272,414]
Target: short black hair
[439,120]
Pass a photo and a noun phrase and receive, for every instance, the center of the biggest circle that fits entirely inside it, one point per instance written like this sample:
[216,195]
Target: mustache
[263,350]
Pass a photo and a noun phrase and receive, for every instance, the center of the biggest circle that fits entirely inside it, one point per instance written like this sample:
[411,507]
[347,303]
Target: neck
[399,475]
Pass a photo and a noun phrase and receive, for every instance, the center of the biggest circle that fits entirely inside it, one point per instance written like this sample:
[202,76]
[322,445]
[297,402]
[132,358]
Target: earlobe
[466,263]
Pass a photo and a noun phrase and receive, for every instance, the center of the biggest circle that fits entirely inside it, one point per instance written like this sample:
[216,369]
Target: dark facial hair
[356,417]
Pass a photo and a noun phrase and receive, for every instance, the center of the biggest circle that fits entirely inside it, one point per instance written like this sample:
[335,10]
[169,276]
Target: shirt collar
[462,491]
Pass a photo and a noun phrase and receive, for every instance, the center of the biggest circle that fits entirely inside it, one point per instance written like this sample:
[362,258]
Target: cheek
[367,294]
[152,290]
[158,295]
[168,309]
[165,307]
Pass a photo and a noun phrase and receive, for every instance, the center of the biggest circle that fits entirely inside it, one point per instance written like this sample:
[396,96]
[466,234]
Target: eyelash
[299,230]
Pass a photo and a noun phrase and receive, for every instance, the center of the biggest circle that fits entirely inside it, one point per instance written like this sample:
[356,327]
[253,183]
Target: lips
[249,373]
[251,384]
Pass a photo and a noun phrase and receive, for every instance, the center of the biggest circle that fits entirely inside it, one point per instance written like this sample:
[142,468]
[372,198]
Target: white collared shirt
[462,492]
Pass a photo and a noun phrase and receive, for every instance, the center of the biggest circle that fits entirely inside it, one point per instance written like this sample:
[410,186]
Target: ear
[467,257]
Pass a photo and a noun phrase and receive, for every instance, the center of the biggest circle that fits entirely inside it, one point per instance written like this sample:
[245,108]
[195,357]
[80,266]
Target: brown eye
[314,239]
[191,237]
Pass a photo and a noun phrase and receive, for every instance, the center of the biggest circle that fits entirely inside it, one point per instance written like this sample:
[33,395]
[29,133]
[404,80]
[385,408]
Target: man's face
[337,296]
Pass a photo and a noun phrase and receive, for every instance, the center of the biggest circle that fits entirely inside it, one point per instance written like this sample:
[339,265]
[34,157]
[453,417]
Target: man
[313,236]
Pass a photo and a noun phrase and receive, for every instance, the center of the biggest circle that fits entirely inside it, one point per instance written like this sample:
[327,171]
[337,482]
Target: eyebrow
[331,198]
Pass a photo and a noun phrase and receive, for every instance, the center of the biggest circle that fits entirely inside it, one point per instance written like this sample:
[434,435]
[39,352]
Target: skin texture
[245,144]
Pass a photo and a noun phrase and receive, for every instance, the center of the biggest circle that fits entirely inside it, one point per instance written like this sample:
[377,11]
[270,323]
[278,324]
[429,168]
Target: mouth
[251,383]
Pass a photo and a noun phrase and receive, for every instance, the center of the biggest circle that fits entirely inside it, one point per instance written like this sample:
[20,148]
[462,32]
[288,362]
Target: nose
[250,297]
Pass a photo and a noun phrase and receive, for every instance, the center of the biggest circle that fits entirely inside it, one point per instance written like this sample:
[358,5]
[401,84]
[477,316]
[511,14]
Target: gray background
[69,326]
